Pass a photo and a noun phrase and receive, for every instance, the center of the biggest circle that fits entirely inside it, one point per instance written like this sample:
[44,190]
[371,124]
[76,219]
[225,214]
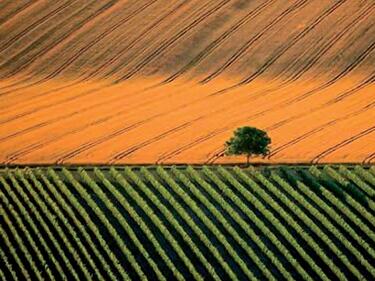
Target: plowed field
[157,81]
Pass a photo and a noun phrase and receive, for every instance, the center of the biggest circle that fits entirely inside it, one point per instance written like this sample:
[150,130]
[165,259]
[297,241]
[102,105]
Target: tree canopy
[248,141]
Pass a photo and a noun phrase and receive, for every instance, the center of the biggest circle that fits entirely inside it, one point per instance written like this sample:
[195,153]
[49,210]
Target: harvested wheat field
[161,81]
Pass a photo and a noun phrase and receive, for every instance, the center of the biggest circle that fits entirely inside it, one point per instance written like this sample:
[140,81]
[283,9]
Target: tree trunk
[248,160]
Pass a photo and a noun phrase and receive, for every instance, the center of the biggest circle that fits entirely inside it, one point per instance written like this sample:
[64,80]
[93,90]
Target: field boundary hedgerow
[178,164]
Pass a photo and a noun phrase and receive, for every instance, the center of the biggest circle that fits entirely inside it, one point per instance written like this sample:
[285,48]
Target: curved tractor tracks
[304,68]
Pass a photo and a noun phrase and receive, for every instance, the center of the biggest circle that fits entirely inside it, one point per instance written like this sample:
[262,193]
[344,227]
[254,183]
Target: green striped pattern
[188,223]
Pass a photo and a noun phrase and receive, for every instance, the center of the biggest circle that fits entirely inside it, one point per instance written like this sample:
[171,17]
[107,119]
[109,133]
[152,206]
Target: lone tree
[249,141]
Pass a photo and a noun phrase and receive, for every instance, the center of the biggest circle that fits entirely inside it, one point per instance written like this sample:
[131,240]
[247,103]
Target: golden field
[159,81]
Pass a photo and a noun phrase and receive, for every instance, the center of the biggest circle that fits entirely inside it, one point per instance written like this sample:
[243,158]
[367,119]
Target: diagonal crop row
[104,220]
[296,210]
[372,170]
[253,217]
[14,216]
[225,222]
[365,175]
[332,199]
[21,246]
[362,211]
[169,216]
[334,215]
[53,220]
[12,249]
[120,218]
[144,227]
[89,223]
[64,220]
[356,180]
[189,221]
[244,225]
[29,219]
[351,189]
[329,226]
[159,224]
[279,225]
[239,220]
[62,205]
[186,223]
[4,258]
[204,218]
[44,225]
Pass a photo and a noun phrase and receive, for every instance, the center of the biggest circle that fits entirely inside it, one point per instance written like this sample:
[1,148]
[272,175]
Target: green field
[188,223]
